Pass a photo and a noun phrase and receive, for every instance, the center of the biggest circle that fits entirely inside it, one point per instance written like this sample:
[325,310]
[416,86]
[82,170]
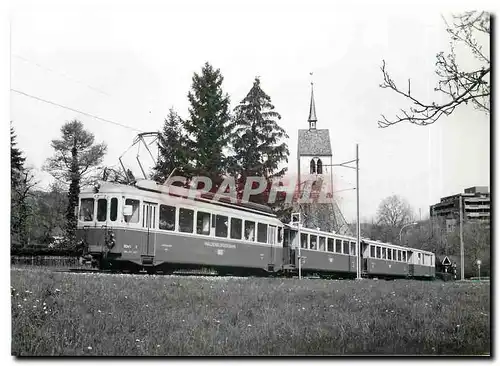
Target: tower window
[313,166]
[313,125]
[320,167]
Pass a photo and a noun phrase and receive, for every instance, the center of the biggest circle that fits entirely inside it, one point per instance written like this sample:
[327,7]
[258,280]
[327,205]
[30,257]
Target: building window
[312,166]
[319,168]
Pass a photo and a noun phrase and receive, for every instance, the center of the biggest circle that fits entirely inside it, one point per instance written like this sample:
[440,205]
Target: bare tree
[458,85]
[394,211]
[20,206]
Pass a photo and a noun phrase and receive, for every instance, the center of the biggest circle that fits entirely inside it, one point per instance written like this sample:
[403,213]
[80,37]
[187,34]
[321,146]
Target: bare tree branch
[461,87]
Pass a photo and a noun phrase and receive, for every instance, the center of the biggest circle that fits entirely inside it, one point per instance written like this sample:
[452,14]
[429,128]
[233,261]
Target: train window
[250,230]
[262,233]
[379,252]
[419,258]
[399,255]
[372,251]
[330,245]
[202,223]
[186,218]
[346,247]
[134,218]
[353,248]
[389,254]
[384,253]
[404,255]
[167,218]
[322,240]
[221,226]
[236,228]
[303,240]
[280,235]
[102,208]
[87,209]
[313,242]
[113,209]
[338,246]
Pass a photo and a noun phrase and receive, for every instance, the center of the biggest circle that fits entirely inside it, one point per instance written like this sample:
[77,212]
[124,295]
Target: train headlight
[97,186]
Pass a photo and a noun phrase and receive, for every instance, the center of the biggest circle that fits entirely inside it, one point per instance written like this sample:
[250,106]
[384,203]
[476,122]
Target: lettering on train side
[219,245]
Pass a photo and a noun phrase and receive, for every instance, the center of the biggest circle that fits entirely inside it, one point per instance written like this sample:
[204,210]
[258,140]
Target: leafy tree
[172,149]
[75,160]
[459,86]
[208,125]
[16,160]
[257,140]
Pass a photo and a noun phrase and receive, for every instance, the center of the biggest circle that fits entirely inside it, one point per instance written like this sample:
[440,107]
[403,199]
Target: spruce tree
[208,125]
[256,140]
[172,149]
[16,160]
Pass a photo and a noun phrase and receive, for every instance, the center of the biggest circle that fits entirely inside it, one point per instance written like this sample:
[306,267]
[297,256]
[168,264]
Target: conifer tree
[16,160]
[172,149]
[257,140]
[208,125]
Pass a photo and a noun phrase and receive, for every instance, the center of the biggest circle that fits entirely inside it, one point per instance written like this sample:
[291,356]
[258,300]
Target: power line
[60,73]
[75,110]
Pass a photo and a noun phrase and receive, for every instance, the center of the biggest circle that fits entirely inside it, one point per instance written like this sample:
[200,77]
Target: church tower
[314,151]
[314,159]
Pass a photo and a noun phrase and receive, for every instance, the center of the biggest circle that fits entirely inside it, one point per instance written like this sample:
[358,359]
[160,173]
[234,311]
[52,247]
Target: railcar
[142,227]
[147,226]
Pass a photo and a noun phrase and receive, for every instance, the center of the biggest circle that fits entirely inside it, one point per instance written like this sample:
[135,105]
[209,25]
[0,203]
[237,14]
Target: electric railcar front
[140,225]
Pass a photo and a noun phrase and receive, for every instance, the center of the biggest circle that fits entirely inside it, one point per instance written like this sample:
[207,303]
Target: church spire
[312,111]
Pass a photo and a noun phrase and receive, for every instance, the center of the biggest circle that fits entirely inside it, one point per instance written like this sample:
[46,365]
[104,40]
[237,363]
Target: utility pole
[462,259]
[358,225]
[299,256]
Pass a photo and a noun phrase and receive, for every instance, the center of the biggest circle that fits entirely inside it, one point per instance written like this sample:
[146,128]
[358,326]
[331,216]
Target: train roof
[352,238]
[180,192]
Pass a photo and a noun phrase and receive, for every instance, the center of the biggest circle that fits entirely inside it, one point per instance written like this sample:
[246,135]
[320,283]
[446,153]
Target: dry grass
[115,315]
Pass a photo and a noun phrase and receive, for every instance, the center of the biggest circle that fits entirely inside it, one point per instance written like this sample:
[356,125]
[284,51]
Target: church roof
[312,107]
[314,142]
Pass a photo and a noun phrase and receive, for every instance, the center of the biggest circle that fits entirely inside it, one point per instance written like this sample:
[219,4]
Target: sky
[130,62]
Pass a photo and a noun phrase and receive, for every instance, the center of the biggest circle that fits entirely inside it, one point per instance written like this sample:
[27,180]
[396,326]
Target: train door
[101,220]
[149,213]
[271,235]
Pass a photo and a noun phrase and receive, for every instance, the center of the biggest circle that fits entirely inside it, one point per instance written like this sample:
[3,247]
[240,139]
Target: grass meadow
[56,313]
